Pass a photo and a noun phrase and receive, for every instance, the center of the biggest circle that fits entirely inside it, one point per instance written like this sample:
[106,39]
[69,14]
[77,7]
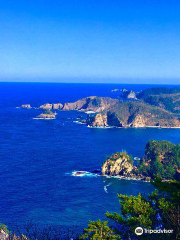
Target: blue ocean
[38,157]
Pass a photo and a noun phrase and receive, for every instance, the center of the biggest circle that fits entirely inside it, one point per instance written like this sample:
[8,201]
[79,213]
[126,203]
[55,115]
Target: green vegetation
[166,98]
[99,231]
[158,91]
[162,159]
[4,227]
[126,112]
[123,155]
[160,210]
[118,155]
[47,111]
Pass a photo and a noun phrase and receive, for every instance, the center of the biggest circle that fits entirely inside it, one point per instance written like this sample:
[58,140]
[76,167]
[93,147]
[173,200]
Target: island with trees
[161,159]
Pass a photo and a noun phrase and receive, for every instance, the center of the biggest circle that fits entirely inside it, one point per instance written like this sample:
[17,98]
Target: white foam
[78,122]
[43,118]
[105,187]
[83,174]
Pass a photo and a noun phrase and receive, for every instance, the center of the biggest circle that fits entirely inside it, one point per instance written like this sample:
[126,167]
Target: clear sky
[90,40]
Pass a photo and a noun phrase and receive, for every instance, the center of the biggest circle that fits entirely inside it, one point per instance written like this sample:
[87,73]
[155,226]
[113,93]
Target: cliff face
[120,113]
[128,94]
[136,114]
[103,120]
[98,120]
[161,159]
[95,104]
[120,164]
[52,106]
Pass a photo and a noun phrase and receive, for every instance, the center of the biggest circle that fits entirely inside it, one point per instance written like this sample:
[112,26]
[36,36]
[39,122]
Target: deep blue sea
[37,157]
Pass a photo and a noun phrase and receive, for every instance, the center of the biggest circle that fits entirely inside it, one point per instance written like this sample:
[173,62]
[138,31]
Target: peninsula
[156,107]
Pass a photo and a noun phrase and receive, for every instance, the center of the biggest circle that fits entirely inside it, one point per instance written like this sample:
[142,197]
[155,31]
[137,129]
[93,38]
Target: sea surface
[38,157]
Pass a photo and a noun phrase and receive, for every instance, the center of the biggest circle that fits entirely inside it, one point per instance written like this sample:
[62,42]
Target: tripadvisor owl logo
[139,231]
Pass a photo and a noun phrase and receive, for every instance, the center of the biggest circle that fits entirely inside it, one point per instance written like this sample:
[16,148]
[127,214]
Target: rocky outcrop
[128,94]
[95,104]
[26,106]
[109,112]
[47,115]
[97,120]
[57,106]
[6,236]
[103,120]
[115,90]
[120,164]
[131,95]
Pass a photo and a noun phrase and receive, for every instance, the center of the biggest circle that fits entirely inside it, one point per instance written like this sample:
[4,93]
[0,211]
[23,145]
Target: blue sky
[86,40]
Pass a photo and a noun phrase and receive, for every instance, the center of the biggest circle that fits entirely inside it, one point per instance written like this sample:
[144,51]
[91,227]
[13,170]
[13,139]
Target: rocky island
[26,106]
[161,159]
[128,94]
[121,164]
[48,115]
[156,107]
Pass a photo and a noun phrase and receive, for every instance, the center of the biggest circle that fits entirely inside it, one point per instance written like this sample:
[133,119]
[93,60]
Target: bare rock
[118,164]
[47,115]
[98,120]
[57,106]
[26,106]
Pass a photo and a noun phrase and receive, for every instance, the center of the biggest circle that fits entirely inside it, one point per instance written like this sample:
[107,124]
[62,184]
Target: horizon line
[117,83]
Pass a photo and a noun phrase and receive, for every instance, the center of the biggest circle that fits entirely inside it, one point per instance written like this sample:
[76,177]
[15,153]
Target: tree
[4,227]
[99,231]
[136,211]
[157,168]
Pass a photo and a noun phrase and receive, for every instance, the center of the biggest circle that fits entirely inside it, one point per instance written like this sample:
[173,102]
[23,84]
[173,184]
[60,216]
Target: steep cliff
[97,120]
[136,114]
[120,164]
[93,103]
[161,159]
[122,113]
[128,94]
[57,106]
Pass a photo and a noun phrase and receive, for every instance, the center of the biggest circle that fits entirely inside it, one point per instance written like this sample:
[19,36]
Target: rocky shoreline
[136,112]
[160,159]
[86,173]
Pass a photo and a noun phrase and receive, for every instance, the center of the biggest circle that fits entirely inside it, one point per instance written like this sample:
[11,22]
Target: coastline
[157,127]
[90,174]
